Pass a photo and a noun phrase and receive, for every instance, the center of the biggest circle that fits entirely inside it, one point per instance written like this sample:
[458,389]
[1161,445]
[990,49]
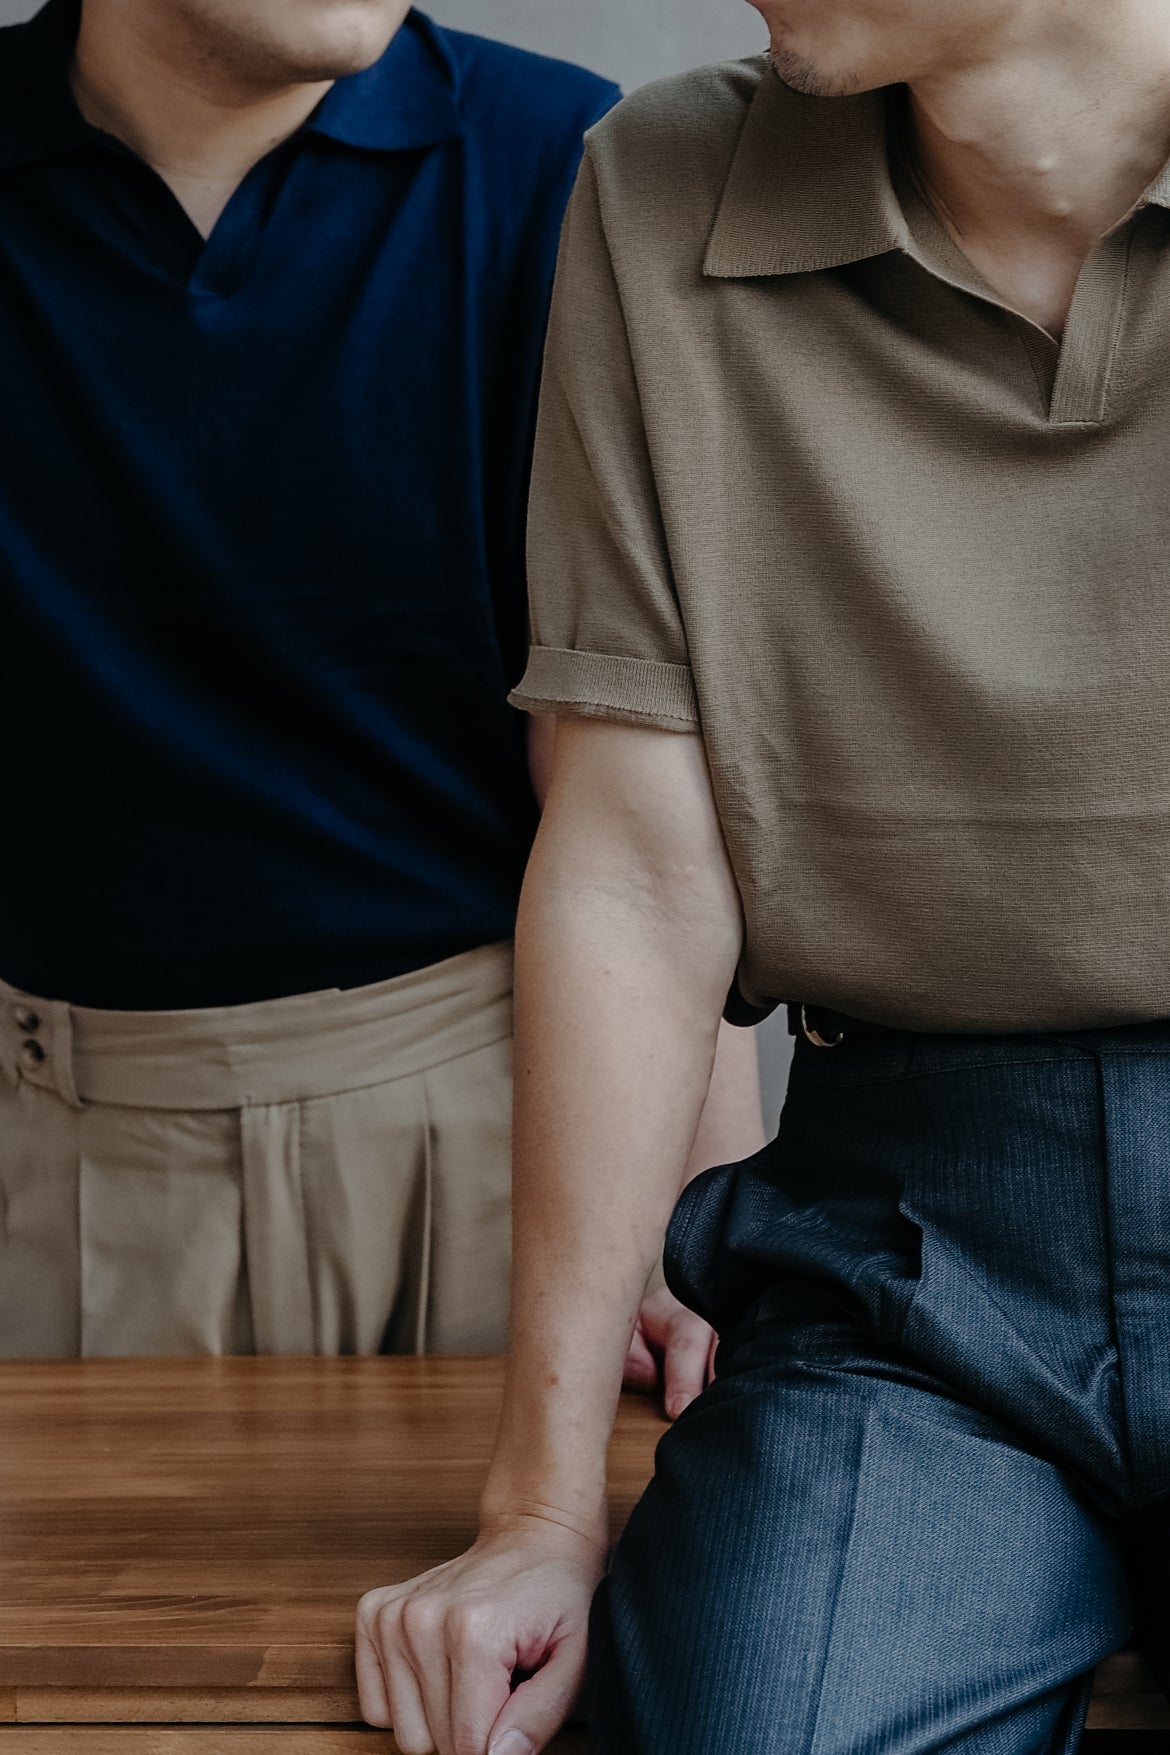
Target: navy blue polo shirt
[261,529]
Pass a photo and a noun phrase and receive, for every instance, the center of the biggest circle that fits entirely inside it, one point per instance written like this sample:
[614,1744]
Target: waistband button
[31,1055]
[27,1021]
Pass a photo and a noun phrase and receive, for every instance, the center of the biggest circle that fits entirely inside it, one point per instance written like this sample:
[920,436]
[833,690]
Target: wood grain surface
[183,1542]
[179,1536]
[213,1740]
[1127,1698]
[165,1740]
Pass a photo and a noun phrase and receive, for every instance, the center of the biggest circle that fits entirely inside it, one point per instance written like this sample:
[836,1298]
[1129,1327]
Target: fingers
[685,1361]
[481,1680]
[539,1707]
[684,1343]
[429,1673]
[641,1371]
[414,1643]
[388,1689]
[372,1696]
[436,1657]
[408,1714]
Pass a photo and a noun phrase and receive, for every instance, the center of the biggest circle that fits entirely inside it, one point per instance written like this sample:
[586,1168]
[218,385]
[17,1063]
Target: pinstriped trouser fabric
[328,1173]
[930,1486]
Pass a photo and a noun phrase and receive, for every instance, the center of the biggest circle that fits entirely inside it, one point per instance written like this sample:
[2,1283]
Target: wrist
[547,1521]
[555,1490]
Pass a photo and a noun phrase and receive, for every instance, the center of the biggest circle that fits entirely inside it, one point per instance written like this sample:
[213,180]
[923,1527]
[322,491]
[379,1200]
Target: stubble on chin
[804,76]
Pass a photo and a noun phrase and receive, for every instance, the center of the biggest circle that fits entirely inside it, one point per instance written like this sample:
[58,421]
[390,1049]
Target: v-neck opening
[216,264]
[222,262]
[1092,333]
[1074,370]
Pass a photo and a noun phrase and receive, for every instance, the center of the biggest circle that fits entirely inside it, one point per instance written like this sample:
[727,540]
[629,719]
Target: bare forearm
[627,940]
[613,1055]
[618,1008]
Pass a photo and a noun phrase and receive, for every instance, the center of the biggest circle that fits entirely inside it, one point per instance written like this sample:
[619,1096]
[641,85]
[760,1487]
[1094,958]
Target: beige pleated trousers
[322,1174]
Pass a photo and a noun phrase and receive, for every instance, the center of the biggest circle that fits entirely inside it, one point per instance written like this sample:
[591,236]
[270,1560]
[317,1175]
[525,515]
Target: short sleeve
[607,636]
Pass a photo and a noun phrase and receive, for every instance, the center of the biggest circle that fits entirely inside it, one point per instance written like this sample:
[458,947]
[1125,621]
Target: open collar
[810,187]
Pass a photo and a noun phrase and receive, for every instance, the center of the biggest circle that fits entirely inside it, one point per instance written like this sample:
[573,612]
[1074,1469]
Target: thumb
[641,1372]
[684,1366]
[539,1707]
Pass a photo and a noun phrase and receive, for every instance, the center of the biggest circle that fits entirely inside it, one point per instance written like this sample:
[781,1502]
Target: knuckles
[469,1631]
[420,1619]
[422,1622]
[368,1607]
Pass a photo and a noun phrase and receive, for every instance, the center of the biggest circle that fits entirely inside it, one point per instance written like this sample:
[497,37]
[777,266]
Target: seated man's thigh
[833,1558]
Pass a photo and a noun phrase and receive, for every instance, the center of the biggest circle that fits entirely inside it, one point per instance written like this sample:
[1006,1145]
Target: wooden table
[182,1543]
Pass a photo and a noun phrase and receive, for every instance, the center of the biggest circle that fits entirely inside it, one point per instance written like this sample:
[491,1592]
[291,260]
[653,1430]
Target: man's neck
[201,129]
[1035,152]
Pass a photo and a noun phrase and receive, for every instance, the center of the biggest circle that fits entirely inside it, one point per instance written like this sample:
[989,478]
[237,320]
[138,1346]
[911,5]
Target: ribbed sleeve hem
[639,691]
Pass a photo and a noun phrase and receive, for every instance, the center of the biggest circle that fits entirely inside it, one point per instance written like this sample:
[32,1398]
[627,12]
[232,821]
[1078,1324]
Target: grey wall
[628,40]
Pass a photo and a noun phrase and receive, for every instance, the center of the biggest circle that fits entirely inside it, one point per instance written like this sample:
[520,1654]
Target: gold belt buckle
[815,1037]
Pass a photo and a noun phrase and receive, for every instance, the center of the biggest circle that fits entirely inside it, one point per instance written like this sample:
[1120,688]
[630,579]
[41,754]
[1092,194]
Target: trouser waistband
[825,1028]
[275,1051]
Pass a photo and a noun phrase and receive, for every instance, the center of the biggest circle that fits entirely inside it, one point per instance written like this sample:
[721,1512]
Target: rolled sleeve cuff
[638,691]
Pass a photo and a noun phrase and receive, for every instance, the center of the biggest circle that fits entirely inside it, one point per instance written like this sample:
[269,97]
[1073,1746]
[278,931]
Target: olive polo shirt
[805,485]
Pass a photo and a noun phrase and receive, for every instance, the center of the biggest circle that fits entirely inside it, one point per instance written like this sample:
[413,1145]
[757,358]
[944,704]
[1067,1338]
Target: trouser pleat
[276,1242]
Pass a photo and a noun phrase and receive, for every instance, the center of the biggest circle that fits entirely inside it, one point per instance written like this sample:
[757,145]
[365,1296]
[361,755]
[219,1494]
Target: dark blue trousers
[930,1486]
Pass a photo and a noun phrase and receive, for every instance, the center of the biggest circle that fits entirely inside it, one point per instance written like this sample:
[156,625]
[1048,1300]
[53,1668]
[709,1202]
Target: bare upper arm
[542,736]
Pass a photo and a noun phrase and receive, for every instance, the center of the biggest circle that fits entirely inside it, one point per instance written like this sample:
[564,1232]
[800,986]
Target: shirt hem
[605,686]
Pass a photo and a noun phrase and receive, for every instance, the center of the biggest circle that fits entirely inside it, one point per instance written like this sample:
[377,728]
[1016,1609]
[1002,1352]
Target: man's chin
[318,72]
[342,37]
[808,77]
[283,64]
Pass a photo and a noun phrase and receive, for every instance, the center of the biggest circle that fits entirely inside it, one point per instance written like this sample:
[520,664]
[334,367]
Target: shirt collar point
[399,138]
[1158,193]
[809,187]
[754,261]
[407,100]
